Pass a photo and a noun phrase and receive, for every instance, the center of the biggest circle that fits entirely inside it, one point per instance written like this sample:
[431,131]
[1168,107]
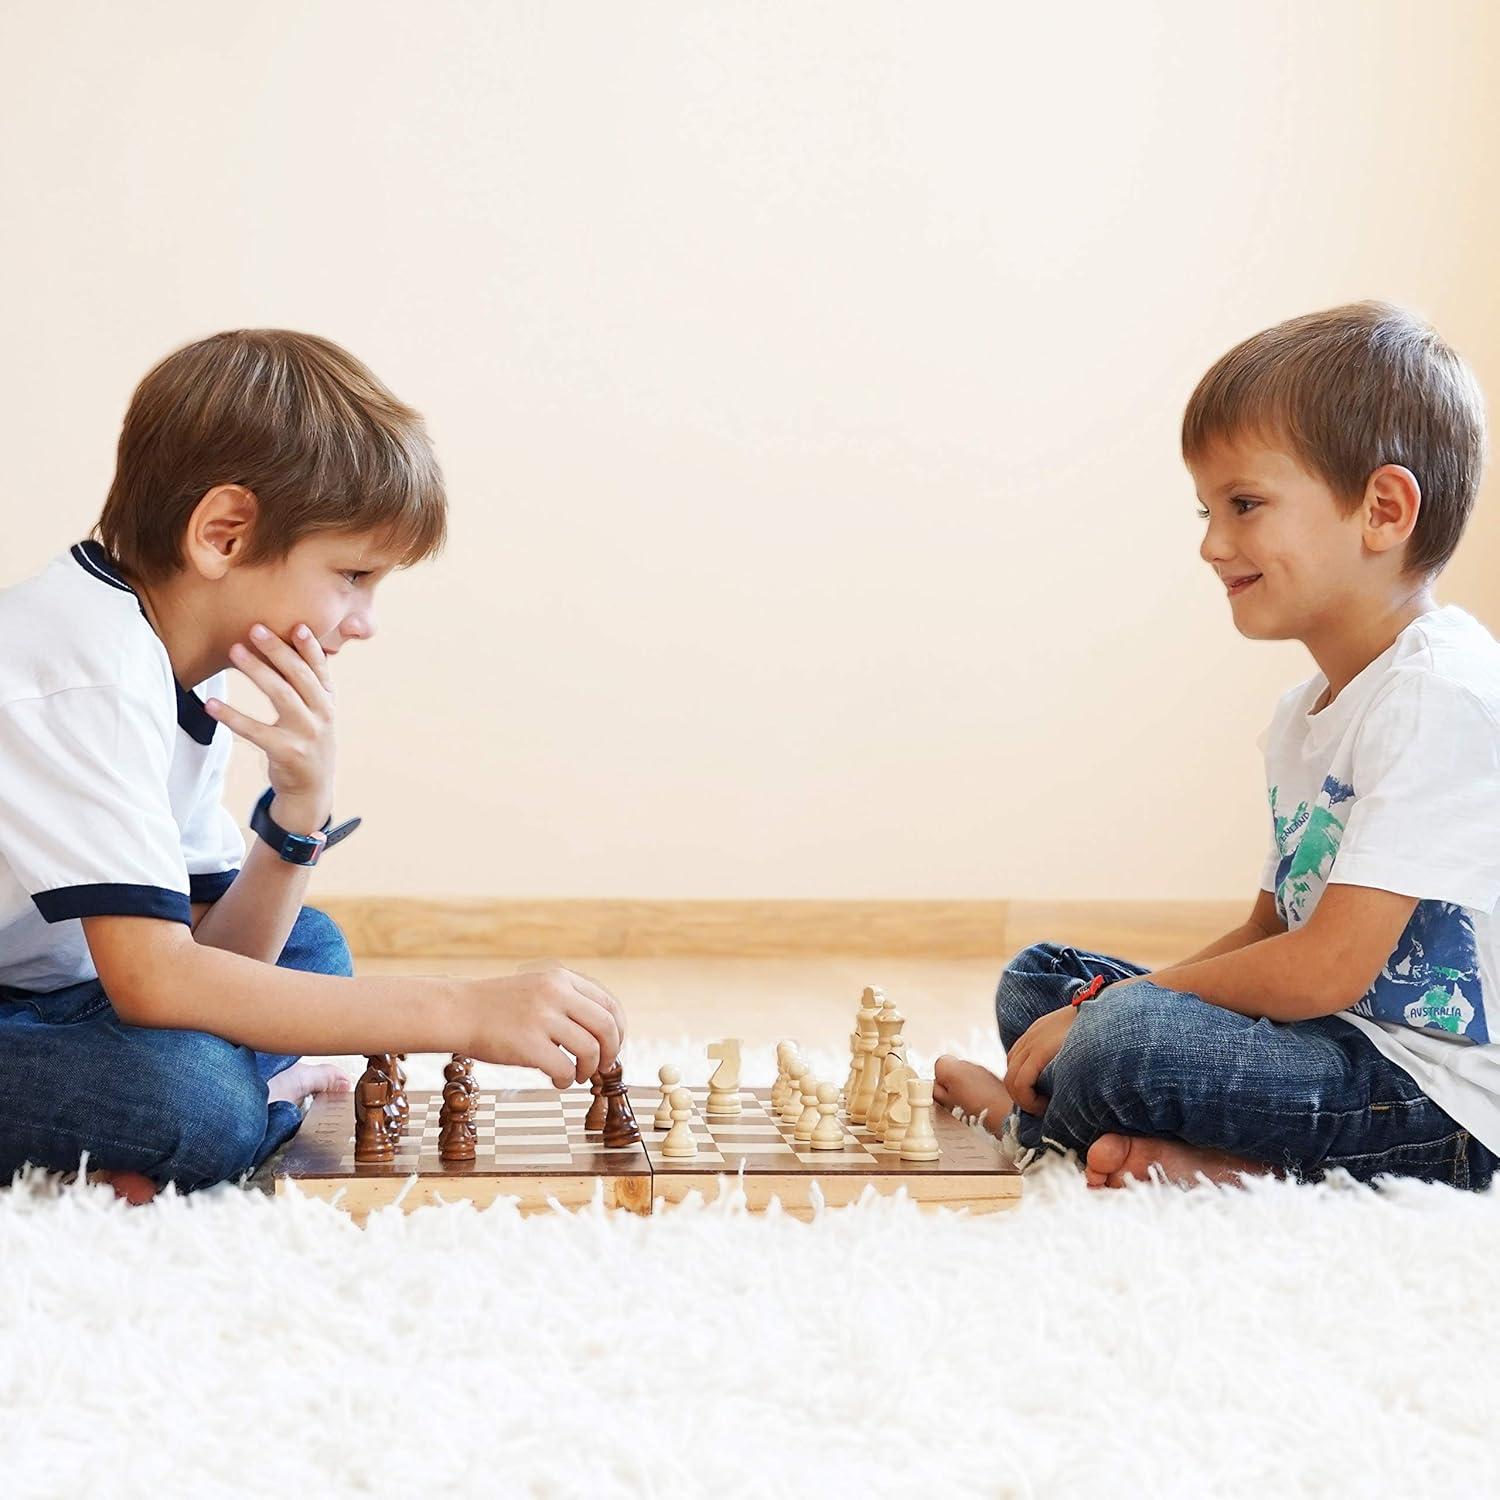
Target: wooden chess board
[532,1148]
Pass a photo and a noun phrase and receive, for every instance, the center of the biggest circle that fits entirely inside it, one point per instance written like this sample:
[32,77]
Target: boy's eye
[1238,500]
[354,575]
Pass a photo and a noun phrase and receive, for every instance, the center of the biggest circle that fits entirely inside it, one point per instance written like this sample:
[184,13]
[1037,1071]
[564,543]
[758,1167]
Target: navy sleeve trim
[210,887]
[72,901]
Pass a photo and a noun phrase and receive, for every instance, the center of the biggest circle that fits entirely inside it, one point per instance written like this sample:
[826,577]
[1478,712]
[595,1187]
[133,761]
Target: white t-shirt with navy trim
[1396,784]
[111,773]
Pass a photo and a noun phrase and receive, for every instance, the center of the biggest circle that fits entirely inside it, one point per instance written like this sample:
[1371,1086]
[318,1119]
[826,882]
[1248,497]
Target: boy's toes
[1106,1158]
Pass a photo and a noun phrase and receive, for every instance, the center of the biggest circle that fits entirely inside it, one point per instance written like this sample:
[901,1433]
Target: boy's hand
[1037,1046]
[299,746]
[1040,1043]
[564,1024]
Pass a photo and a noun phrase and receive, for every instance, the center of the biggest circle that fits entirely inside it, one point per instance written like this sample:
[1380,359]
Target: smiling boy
[1353,1020]
[158,986]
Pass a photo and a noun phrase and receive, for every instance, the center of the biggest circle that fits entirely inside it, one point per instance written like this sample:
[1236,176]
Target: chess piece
[889,1025]
[807,1121]
[864,1088]
[680,1143]
[669,1078]
[372,1098]
[920,1142]
[456,1135]
[785,1051]
[828,1134]
[399,1109]
[593,1121]
[724,1086]
[851,1083]
[897,1110]
[466,1077]
[791,1108]
[620,1128]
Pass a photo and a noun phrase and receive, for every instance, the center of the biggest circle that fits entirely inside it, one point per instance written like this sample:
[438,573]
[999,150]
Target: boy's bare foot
[963,1085]
[1113,1158]
[303,1078]
[133,1187]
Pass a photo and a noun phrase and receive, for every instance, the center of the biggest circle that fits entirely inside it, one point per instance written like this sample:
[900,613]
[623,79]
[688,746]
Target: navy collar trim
[192,717]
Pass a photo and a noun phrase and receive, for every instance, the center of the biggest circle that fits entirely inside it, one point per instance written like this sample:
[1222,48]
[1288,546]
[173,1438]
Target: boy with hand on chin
[1348,1022]
[157,985]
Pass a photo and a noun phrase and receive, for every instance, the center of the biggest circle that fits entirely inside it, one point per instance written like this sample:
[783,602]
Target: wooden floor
[766,998]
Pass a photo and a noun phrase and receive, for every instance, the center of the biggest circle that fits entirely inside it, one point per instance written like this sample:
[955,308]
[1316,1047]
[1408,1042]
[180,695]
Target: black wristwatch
[296,848]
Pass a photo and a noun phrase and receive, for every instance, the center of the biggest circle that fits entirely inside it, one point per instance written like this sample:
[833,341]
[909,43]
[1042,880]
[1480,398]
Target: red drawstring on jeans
[1091,989]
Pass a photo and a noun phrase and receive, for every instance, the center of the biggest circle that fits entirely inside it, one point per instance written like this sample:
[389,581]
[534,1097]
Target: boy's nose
[360,627]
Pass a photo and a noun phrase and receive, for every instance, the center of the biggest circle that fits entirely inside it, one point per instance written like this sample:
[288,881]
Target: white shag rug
[1279,1340]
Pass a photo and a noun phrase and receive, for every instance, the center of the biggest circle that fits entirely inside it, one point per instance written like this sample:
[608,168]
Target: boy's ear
[1393,500]
[218,531]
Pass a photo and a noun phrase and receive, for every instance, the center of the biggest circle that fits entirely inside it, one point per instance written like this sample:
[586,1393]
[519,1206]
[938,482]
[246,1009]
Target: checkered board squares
[757,1139]
[531,1147]
[518,1131]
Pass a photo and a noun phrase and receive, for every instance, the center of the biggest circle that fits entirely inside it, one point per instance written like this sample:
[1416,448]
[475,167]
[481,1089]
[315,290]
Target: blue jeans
[1305,1096]
[177,1106]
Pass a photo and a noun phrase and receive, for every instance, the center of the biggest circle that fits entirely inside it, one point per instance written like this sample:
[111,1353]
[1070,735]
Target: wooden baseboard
[392,927]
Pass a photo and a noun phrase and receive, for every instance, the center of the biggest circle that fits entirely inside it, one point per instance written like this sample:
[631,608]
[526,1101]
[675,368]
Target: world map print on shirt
[1431,981]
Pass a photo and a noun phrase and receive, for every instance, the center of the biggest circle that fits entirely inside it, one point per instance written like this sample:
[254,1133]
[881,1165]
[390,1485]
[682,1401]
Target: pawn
[455,1138]
[828,1134]
[785,1051]
[920,1143]
[680,1142]
[670,1078]
[807,1122]
[791,1107]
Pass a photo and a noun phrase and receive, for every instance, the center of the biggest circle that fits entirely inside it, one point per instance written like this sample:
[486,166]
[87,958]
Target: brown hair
[1351,389]
[323,445]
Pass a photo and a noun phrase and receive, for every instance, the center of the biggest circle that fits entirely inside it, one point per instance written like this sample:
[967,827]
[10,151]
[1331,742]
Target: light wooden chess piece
[791,1108]
[808,1120]
[851,1083]
[724,1087]
[455,1136]
[786,1050]
[897,1110]
[828,1134]
[669,1078]
[889,1025]
[920,1142]
[864,1088]
[680,1143]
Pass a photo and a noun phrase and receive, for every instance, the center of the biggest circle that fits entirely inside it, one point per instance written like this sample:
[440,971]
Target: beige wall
[806,378]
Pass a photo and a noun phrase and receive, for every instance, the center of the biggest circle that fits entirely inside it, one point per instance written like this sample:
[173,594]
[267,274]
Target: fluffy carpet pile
[1278,1340]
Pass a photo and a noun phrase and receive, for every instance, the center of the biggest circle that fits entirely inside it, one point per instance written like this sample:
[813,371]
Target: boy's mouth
[1239,585]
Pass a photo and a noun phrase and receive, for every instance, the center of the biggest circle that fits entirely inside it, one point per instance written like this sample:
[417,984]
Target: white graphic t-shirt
[1396,784]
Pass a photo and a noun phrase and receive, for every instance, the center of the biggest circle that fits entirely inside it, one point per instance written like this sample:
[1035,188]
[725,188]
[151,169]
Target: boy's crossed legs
[151,1105]
[1151,1076]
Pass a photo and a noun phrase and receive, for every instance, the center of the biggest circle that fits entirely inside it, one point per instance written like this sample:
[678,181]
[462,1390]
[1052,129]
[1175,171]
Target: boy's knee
[223,1119]
[1131,1041]
[317,945]
[1016,994]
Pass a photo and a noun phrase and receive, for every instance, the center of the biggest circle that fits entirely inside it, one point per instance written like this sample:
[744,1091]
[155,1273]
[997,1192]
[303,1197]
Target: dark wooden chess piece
[372,1098]
[620,1128]
[456,1133]
[398,1109]
[593,1121]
